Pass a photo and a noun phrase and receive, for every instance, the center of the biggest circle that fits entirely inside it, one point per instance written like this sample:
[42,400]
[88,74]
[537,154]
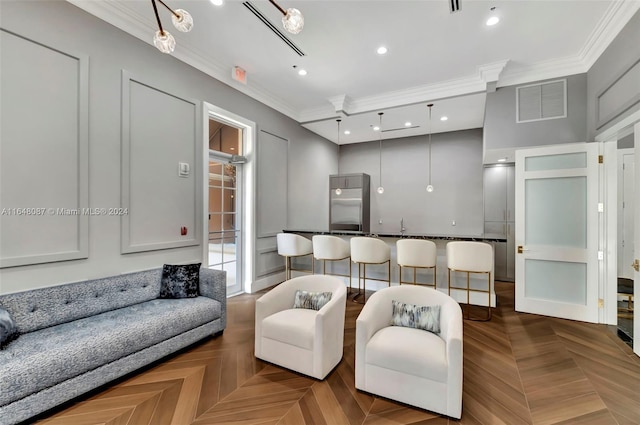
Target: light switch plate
[183,169]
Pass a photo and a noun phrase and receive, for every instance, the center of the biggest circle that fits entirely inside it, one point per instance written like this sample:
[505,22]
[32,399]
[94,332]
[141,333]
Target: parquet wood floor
[518,369]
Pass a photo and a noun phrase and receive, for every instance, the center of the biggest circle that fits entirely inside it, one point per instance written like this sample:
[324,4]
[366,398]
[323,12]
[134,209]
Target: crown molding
[543,71]
[118,15]
[615,18]
[459,87]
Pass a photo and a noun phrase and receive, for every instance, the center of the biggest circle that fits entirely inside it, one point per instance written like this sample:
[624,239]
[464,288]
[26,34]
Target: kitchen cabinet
[499,217]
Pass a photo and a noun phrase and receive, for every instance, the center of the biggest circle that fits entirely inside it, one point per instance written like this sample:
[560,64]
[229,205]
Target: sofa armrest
[213,284]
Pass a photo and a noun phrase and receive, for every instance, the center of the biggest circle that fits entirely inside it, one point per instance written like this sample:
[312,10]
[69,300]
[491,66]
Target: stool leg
[287,273]
[364,285]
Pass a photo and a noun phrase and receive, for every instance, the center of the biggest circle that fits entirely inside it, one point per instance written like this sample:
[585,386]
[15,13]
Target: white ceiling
[434,55]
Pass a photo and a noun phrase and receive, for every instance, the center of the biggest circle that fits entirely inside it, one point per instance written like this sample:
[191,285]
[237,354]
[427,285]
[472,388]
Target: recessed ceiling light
[382,50]
[216,2]
[492,21]
[444,118]
[302,72]
[502,159]
[347,132]
[407,124]
[376,128]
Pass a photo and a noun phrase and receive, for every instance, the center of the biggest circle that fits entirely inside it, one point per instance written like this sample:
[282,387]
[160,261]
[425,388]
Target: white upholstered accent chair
[416,254]
[409,365]
[303,340]
[292,245]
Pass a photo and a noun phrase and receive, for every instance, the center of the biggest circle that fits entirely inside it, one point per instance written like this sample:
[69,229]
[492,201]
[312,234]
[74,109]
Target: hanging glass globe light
[164,41]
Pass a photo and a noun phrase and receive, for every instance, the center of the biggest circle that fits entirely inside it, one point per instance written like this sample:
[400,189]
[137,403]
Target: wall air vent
[400,128]
[454,5]
[273,28]
[543,101]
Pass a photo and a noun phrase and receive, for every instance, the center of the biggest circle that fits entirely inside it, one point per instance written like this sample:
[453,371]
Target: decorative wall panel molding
[619,96]
[160,131]
[268,262]
[44,154]
[272,184]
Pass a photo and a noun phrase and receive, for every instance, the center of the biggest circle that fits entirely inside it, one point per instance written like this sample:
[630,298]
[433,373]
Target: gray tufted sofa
[79,336]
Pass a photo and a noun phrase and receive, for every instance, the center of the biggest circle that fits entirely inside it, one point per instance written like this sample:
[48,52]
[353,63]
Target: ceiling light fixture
[338,189]
[216,2]
[493,19]
[292,19]
[382,50]
[347,132]
[407,124]
[444,118]
[430,186]
[302,72]
[181,19]
[376,128]
[380,188]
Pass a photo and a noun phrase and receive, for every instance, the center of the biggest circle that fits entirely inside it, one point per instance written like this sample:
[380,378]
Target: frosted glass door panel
[556,238]
[556,281]
[555,212]
[556,162]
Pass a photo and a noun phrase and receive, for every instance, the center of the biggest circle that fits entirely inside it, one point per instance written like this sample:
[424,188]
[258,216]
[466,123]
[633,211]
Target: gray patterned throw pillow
[416,316]
[311,300]
[8,330]
[180,281]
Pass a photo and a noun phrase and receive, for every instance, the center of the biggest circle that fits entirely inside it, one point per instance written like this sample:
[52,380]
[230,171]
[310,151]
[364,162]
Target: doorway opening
[626,213]
[225,224]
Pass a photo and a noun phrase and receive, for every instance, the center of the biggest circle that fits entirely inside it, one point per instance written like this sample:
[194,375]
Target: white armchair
[409,365]
[303,340]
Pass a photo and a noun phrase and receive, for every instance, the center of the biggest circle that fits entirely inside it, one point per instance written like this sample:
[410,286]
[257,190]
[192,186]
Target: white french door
[557,231]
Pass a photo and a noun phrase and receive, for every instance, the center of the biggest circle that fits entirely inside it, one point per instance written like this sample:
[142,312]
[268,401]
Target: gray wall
[614,80]
[109,51]
[502,131]
[456,177]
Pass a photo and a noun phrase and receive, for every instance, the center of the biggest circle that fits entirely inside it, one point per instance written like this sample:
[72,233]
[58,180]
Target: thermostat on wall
[183,169]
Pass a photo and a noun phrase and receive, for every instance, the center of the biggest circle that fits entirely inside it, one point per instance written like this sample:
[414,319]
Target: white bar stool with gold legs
[417,254]
[471,257]
[292,245]
[367,250]
[332,248]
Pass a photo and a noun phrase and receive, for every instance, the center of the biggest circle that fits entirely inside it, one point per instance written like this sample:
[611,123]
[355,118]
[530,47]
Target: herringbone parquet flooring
[518,369]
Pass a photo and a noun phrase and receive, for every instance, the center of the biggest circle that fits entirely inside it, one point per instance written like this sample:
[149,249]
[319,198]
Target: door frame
[248,129]
[610,137]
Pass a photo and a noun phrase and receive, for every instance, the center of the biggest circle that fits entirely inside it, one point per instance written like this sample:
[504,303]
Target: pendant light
[430,186]
[292,19]
[182,21]
[380,188]
[338,189]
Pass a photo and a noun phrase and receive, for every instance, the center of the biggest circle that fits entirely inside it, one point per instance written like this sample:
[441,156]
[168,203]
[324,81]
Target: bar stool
[471,257]
[367,250]
[417,254]
[292,245]
[332,248]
